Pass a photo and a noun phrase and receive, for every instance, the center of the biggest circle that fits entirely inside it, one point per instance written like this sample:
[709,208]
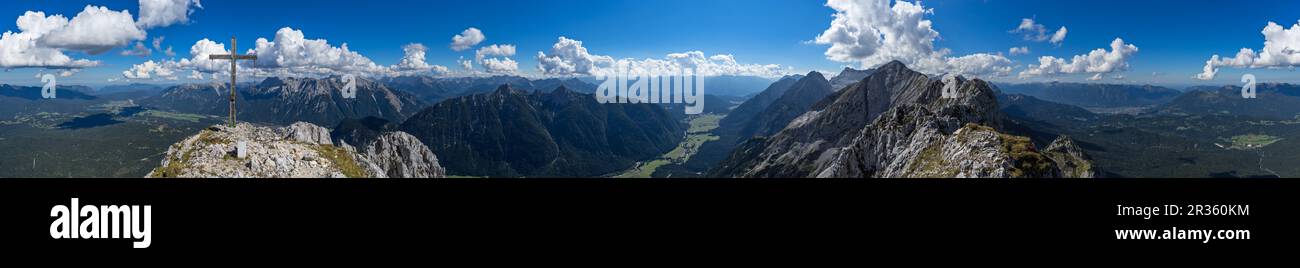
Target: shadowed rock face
[301,150]
[511,133]
[847,77]
[895,123]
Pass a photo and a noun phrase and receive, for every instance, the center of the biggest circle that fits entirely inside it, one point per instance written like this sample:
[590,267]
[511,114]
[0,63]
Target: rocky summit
[895,123]
[301,150]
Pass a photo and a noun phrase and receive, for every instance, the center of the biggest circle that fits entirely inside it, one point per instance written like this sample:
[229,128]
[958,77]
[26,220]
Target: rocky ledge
[301,150]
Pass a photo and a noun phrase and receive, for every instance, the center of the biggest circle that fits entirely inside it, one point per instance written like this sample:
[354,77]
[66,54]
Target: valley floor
[696,136]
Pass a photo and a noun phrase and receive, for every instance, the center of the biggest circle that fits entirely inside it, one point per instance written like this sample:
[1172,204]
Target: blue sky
[1174,38]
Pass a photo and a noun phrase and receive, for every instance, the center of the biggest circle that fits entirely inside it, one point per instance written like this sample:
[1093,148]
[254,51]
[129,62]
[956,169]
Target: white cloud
[414,63]
[157,42]
[500,65]
[1281,49]
[1019,51]
[495,59]
[979,64]
[494,50]
[138,50]
[467,39]
[150,70]
[20,50]
[1097,61]
[290,54]
[1059,36]
[569,57]
[162,13]
[1037,32]
[871,32]
[95,30]
[465,64]
[1095,77]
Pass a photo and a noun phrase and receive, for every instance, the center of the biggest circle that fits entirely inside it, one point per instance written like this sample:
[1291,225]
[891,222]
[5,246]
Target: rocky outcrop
[1070,158]
[400,155]
[301,150]
[308,133]
[895,123]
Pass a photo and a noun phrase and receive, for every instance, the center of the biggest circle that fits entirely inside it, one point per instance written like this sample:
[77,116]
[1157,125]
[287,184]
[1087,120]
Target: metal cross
[233,57]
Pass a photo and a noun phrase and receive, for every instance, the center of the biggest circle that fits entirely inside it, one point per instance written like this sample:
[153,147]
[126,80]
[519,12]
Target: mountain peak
[812,74]
[504,89]
[893,66]
[296,151]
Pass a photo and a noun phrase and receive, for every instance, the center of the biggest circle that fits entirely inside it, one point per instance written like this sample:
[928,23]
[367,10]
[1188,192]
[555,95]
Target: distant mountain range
[435,89]
[1272,101]
[133,87]
[1094,95]
[883,122]
[512,133]
[286,100]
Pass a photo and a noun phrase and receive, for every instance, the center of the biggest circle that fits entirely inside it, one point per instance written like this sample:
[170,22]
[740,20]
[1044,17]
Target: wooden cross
[233,57]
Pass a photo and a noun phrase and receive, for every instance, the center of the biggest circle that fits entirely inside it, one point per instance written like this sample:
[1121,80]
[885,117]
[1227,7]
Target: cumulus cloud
[495,59]
[1059,36]
[1037,32]
[1098,61]
[500,65]
[569,57]
[94,31]
[872,32]
[414,63]
[465,64]
[21,49]
[1281,50]
[291,51]
[150,70]
[1019,51]
[288,54]
[494,51]
[162,13]
[467,39]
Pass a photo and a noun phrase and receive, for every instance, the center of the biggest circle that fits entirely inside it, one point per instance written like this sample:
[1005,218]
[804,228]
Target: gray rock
[1070,158]
[895,122]
[302,150]
[403,156]
[308,133]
